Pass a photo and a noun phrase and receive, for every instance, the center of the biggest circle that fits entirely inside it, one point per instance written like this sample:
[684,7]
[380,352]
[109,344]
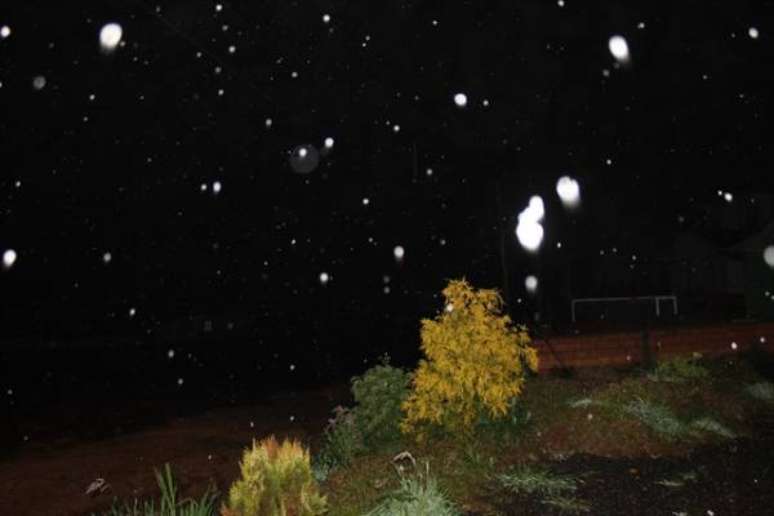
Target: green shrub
[418,495]
[658,418]
[763,391]
[342,442]
[707,424]
[169,505]
[555,490]
[276,481]
[379,394]
[476,361]
[680,369]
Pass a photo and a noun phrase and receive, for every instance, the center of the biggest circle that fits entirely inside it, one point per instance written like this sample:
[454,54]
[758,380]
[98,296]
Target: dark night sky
[111,154]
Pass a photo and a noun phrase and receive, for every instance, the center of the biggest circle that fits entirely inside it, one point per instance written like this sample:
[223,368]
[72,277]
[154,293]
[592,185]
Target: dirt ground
[74,445]
[49,475]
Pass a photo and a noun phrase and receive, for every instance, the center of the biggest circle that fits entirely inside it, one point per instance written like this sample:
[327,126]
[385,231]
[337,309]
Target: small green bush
[680,369]
[342,442]
[276,481]
[658,418]
[763,391]
[555,490]
[379,394]
[418,495]
[169,505]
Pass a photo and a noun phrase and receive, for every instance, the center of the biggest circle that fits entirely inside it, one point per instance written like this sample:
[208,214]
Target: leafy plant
[657,417]
[763,391]
[418,495]
[680,369]
[276,481]
[707,424]
[379,394]
[342,441]
[169,505]
[555,490]
[475,362]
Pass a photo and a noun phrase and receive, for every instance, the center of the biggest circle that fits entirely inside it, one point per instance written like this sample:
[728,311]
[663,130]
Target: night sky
[164,178]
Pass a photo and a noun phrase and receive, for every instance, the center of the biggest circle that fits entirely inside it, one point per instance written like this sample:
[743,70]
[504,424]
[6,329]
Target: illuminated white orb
[619,48]
[768,256]
[530,234]
[180,381]
[398,252]
[218,7]
[366,201]
[429,172]
[568,190]
[110,36]
[302,152]
[535,210]
[733,346]
[531,283]
[328,142]
[39,82]
[216,187]
[728,196]
[326,18]
[171,353]
[5,31]
[753,32]
[9,258]
[268,123]
[461,99]
[396,128]
[324,278]
[107,257]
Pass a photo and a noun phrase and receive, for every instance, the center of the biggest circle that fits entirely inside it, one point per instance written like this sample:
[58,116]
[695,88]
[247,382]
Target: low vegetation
[474,415]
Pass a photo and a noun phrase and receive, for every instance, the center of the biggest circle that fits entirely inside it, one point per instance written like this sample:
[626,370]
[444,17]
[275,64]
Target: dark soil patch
[733,478]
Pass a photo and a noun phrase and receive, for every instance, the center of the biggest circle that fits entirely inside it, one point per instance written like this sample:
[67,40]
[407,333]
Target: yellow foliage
[276,481]
[475,360]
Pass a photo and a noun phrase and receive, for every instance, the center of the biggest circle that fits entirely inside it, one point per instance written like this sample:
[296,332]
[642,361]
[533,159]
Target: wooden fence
[636,347]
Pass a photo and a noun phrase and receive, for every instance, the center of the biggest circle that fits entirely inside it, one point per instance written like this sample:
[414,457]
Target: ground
[50,473]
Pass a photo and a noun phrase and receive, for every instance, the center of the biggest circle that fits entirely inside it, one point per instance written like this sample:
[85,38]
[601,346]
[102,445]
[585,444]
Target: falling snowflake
[110,36]
[9,258]
[619,48]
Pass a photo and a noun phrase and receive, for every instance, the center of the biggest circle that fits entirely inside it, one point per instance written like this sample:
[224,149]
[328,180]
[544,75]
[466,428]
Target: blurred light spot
[619,48]
[768,256]
[110,36]
[398,252]
[461,99]
[531,283]
[568,190]
[9,258]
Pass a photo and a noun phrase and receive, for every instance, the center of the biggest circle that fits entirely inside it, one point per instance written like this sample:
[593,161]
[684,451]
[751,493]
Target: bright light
[216,187]
[328,142]
[531,283]
[110,36]
[5,31]
[728,196]
[733,346]
[9,258]
[529,231]
[535,210]
[396,128]
[753,32]
[39,82]
[398,252]
[324,278]
[107,257]
[530,234]
[461,99]
[568,190]
[768,256]
[268,123]
[366,201]
[619,48]
[326,18]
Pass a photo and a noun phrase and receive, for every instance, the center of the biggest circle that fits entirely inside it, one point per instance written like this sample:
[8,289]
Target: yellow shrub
[475,361]
[276,481]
